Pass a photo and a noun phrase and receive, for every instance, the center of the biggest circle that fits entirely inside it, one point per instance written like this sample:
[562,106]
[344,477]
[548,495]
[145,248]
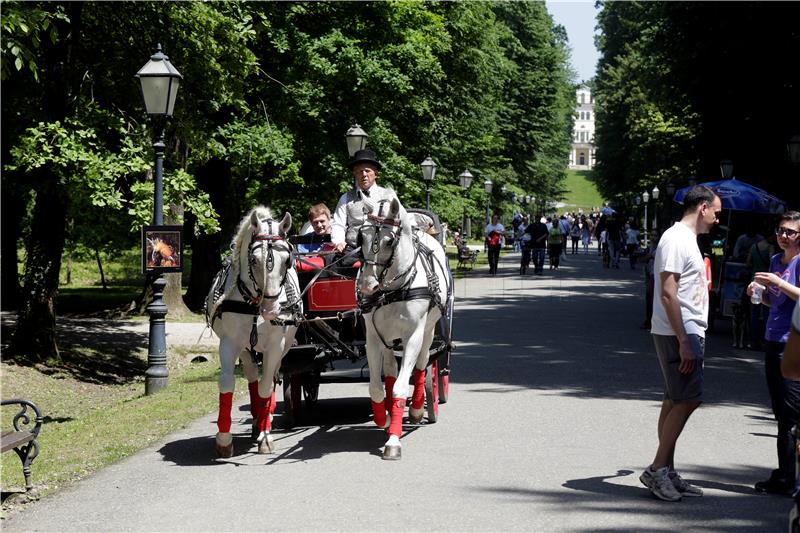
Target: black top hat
[364,156]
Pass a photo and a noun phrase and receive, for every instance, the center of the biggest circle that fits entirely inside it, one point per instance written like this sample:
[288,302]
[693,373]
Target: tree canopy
[682,85]
[269,90]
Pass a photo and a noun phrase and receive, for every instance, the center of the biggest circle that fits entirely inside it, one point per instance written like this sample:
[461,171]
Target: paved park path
[552,415]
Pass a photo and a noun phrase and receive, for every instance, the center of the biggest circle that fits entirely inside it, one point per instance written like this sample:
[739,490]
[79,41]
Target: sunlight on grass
[582,192]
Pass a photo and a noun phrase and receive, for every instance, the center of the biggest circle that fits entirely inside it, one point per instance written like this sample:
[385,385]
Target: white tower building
[581,156]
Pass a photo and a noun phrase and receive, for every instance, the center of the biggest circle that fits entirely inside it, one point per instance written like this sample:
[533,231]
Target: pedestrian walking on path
[680,319]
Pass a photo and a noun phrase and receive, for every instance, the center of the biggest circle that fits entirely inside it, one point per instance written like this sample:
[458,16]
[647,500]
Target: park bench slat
[13,439]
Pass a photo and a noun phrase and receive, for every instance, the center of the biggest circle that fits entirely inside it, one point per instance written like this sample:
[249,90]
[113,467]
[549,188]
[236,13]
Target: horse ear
[286,223]
[254,220]
[394,209]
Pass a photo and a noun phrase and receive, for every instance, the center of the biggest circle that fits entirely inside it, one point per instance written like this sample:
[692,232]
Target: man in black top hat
[349,214]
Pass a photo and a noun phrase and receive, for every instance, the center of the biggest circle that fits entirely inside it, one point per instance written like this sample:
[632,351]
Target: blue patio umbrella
[740,196]
[607,211]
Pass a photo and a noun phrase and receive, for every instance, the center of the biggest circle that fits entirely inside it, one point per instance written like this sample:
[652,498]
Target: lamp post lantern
[428,173]
[487,186]
[465,179]
[356,139]
[655,192]
[726,168]
[159,82]
[793,147]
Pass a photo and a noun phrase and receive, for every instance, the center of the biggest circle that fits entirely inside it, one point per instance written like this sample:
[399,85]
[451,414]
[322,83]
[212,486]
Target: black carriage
[333,328]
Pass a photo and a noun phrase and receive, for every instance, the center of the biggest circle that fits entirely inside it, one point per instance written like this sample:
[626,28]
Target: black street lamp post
[428,173]
[465,179]
[159,82]
[487,186]
[655,192]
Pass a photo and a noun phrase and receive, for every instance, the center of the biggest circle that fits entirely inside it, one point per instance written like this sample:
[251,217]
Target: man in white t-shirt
[680,319]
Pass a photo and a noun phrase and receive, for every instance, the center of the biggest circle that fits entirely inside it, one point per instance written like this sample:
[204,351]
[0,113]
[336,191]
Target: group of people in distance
[551,237]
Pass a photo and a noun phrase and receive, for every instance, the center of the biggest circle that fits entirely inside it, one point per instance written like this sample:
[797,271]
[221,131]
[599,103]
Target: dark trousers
[538,259]
[555,254]
[632,248]
[494,258]
[785,397]
[758,323]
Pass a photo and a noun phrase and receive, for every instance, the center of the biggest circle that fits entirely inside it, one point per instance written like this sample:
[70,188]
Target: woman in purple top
[782,289]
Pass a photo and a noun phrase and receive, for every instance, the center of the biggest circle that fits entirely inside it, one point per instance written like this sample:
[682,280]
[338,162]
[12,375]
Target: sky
[578,17]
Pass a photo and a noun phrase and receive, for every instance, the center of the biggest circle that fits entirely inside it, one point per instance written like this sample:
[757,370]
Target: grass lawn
[582,193]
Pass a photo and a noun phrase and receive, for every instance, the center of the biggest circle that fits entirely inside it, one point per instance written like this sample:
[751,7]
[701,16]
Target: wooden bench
[22,439]
[466,257]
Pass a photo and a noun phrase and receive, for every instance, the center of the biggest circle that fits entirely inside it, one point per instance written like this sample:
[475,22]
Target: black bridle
[265,242]
[377,222]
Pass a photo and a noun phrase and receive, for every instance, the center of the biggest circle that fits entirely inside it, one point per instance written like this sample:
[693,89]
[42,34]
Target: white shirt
[348,216]
[678,253]
[499,228]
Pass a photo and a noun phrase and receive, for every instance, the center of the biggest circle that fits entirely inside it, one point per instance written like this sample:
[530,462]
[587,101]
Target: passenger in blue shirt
[319,216]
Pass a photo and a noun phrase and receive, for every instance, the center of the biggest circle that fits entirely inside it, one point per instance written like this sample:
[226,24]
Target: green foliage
[269,89]
[682,85]
[24,25]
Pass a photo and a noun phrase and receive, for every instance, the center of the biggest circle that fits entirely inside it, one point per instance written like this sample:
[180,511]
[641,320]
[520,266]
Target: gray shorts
[680,387]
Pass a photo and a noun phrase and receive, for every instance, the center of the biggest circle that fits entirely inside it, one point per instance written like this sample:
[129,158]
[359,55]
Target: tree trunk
[173,296]
[69,269]
[100,266]
[215,178]
[35,336]
[11,213]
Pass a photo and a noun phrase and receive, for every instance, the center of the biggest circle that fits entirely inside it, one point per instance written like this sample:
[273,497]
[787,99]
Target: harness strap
[254,339]
[385,298]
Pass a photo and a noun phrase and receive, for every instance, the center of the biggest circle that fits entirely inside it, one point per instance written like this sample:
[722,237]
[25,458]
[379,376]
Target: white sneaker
[683,487]
[659,484]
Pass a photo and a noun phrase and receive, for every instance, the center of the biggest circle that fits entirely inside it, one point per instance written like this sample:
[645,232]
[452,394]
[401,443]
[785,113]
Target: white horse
[250,307]
[403,285]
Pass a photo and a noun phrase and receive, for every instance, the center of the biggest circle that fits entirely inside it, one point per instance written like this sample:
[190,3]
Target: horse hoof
[415,417]
[392,453]
[266,445]
[224,452]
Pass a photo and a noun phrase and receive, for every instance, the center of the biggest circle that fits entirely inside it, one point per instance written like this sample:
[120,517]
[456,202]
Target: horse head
[382,236]
[267,260]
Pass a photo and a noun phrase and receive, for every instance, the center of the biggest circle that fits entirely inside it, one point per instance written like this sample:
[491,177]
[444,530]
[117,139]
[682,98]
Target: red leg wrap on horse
[418,398]
[272,403]
[379,413]
[398,406]
[224,417]
[253,388]
[263,414]
[388,384]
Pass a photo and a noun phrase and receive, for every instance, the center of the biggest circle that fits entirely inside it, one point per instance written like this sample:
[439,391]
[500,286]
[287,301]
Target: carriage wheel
[311,388]
[292,393]
[432,392]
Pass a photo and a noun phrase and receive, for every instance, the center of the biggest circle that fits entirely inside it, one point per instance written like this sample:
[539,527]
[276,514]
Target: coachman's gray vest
[355,210]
